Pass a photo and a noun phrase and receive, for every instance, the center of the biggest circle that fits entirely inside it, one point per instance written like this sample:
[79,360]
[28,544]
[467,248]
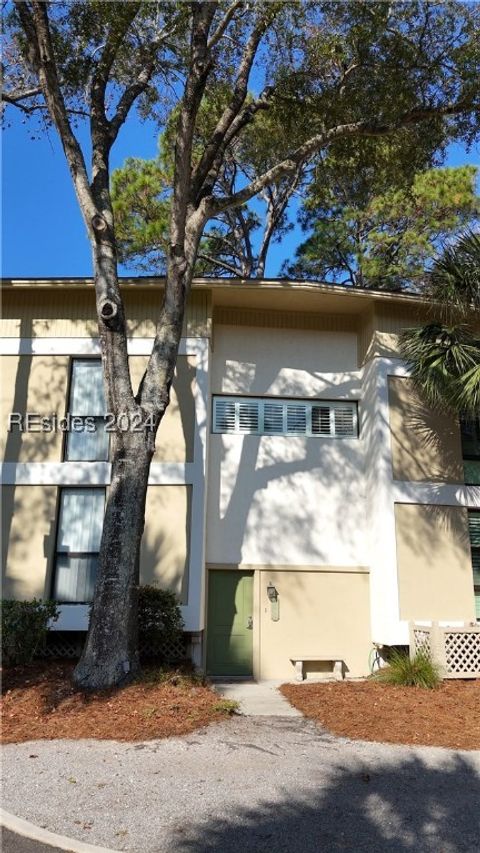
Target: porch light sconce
[272,594]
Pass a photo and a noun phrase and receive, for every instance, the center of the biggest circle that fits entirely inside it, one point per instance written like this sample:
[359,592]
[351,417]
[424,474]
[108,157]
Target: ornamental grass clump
[404,671]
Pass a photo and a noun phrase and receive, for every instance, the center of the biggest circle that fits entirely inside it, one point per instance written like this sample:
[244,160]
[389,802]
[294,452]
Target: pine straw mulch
[40,702]
[447,716]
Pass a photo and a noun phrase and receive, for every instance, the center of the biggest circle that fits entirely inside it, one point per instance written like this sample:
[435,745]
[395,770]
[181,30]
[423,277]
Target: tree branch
[42,58]
[244,117]
[15,97]
[316,143]
[200,67]
[217,262]
[217,140]
[274,214]
[217,35]
[132,92]
[103,68]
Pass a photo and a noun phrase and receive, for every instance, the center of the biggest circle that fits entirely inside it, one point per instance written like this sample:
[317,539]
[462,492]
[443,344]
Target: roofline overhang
[232,285]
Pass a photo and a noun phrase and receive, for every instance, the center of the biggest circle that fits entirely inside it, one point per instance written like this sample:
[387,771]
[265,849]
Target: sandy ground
[252,784]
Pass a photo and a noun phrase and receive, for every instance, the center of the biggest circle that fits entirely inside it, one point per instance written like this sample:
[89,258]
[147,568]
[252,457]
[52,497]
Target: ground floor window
[474,527]
[79,531]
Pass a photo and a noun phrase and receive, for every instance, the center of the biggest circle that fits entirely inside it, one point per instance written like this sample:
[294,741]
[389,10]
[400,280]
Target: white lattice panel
[454,649]
[422,641]
[462,653]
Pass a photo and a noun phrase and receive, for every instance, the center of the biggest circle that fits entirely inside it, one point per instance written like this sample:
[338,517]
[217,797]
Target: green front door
[230,623]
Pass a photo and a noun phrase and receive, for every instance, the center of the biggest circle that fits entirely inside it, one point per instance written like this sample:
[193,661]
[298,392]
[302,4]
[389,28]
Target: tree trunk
[110,655]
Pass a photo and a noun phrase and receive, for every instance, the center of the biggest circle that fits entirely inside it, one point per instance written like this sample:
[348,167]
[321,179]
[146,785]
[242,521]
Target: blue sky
[42,230]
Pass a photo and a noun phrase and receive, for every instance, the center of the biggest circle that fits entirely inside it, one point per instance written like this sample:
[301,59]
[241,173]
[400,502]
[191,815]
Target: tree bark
[110,655]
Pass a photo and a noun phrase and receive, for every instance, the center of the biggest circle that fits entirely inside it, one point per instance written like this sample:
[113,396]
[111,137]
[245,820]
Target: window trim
[308,402]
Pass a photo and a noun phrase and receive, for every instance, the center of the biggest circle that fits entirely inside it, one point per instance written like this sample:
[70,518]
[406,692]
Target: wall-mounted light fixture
[272,594]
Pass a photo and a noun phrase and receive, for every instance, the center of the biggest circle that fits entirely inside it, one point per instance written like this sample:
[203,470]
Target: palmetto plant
[444,356]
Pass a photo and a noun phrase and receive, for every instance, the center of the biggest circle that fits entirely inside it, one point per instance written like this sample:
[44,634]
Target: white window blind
[88,442]
[81,520]
[86,389]
[79,533]
[257,416]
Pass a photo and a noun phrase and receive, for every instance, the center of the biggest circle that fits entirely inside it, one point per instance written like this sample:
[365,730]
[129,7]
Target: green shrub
[160,621]
[24,628]
[407,672]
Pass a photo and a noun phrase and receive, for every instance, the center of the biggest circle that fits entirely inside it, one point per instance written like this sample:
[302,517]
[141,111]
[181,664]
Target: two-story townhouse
[303,502]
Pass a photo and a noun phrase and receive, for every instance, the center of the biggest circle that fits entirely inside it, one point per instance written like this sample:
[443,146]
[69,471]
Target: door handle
[250,622]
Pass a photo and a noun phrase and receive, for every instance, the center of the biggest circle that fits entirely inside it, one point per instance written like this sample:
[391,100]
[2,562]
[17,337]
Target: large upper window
[79,532]
[87,439]
[470,431]
[474,527]
[271,416]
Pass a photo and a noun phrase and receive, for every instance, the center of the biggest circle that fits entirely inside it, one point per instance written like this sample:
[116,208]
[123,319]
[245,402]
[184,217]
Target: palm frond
[454,280]
[468,400]
[445,365]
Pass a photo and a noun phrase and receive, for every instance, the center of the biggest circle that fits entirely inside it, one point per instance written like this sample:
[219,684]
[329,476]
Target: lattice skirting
[455,650]
[69,644]
[422,642]
[462,652]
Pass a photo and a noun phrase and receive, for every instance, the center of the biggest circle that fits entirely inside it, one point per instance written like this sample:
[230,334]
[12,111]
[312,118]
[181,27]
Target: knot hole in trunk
[108,310]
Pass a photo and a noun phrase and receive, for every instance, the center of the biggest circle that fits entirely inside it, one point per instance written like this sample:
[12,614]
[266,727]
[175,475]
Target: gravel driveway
[251,784]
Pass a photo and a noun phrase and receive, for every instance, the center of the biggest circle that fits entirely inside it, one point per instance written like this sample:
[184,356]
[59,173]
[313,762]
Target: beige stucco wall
[28,540]
[176,434]
[39,384]
[36,384]
[426,445]
[434,562]
[321,613]
[284,362]
[282,499]
[166,540]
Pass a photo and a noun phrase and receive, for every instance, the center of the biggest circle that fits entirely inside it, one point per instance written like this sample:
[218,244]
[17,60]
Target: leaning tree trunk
[110,655]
